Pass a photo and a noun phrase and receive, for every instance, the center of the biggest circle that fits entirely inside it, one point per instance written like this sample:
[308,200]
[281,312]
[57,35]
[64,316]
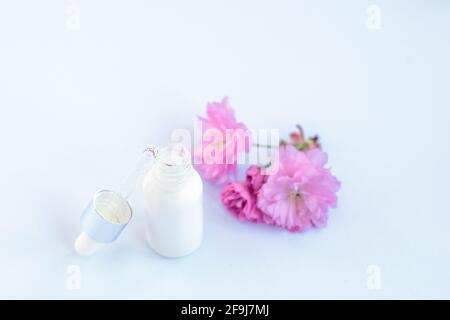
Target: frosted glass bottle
[173,193]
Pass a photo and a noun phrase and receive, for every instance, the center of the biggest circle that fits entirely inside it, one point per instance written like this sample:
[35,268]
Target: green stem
[268,146]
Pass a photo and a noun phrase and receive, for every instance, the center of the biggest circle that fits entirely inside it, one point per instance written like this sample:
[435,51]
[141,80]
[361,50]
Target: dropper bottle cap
[109,211]
[102,221]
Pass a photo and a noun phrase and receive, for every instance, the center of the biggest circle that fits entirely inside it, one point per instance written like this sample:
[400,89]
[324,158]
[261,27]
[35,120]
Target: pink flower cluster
[217,155]
[240,198]
[297,197]
[297,193]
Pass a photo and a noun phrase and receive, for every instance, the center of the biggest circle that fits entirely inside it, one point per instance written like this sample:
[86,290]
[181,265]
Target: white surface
[78,106]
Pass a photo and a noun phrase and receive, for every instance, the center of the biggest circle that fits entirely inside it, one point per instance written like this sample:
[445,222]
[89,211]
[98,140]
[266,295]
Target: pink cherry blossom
[254,179]
[239,200]
[297,197]
[223,140]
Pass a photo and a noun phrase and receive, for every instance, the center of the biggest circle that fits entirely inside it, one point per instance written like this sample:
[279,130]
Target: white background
[78,106]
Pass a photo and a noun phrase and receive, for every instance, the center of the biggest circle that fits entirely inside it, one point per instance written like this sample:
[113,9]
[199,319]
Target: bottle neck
[172,167]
